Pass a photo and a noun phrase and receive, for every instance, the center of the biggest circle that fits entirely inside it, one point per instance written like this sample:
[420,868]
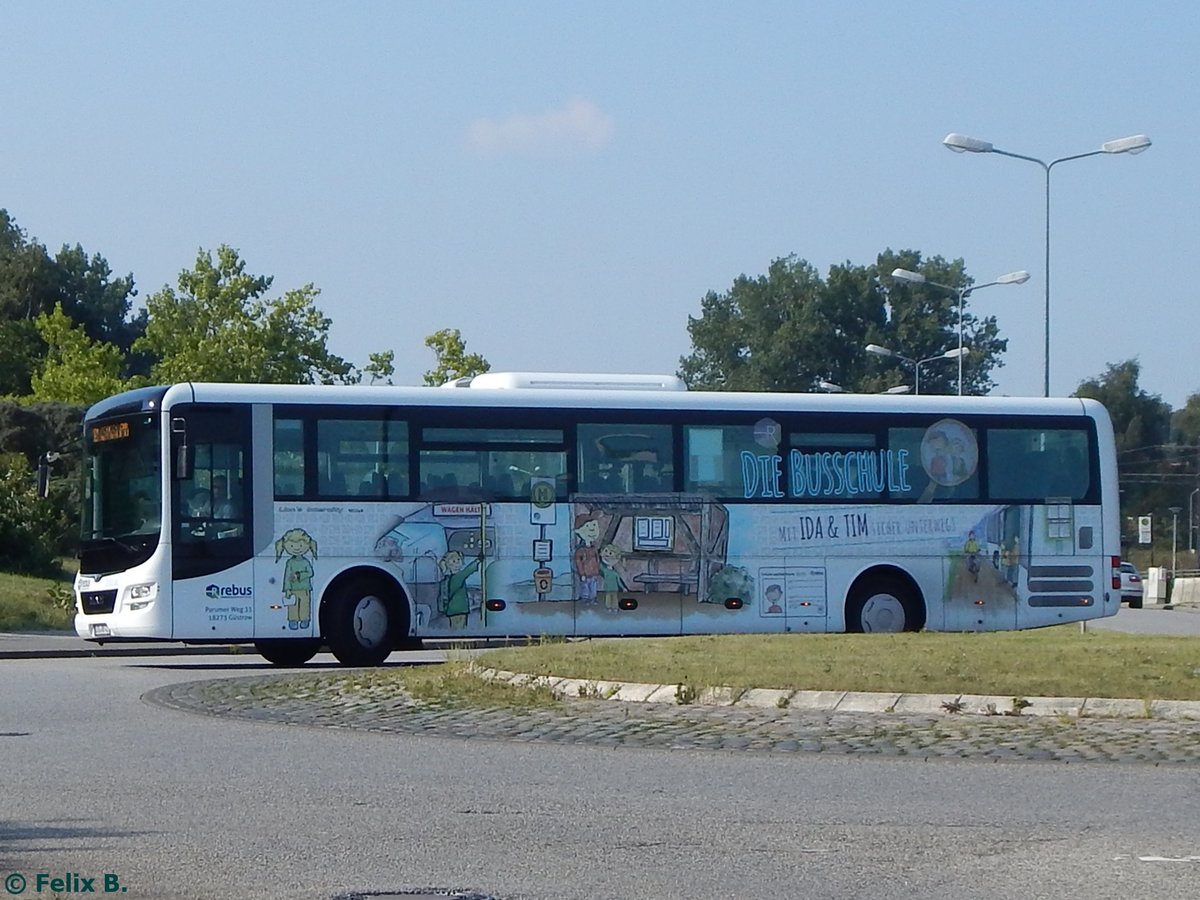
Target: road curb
[86,652]
[855,701]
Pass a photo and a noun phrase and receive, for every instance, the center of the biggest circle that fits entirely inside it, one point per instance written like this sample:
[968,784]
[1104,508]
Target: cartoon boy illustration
[773,595]
[611,578]
[971,551]
[586,558]
[454,602]
[1012,562]
[298,544]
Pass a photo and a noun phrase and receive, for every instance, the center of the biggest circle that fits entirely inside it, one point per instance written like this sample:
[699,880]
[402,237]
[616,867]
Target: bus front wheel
[360,623]
[287,653]
[883,605]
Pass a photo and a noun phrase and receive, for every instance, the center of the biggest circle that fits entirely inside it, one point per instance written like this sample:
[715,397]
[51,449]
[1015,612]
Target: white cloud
[580,124]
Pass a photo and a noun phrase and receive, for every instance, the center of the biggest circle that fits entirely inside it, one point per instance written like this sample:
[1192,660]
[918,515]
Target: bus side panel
[215,607]
[1065,575]
[751,580]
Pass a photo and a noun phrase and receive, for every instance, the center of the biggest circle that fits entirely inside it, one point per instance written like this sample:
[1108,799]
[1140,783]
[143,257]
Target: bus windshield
[122,488]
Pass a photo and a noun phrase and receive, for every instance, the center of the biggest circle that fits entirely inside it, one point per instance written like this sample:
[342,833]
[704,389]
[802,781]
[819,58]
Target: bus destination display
[113,431]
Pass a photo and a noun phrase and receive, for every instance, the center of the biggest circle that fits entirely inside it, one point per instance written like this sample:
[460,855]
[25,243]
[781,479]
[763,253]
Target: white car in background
[1131,585]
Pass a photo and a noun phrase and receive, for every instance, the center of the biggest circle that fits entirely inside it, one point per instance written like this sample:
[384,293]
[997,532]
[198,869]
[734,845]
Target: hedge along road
[185,805]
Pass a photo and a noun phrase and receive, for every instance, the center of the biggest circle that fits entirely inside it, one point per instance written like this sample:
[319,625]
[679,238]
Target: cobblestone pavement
[334,701]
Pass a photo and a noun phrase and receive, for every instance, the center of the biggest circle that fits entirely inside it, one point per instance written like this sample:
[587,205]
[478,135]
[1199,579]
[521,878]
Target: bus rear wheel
[287,653]
[360,622]
[883,606]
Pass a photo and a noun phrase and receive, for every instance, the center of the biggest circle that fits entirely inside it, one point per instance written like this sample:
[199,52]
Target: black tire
[1135,604]
[884,606]
[287,653]
[361,621]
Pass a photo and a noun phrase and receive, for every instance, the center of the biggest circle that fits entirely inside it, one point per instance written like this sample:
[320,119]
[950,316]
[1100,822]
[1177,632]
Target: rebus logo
[215,591]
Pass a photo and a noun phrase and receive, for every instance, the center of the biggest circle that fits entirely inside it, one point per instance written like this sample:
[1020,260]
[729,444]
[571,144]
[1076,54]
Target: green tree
[99,302]
[31,529]
[1185,423]
[1154,475]
[76,369]
[25,280]
[218,327]
[790,330]
[453,361]
[381,367]
[32,284]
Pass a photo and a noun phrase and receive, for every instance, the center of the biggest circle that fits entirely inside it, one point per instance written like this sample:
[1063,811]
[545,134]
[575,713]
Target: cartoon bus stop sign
[541,501]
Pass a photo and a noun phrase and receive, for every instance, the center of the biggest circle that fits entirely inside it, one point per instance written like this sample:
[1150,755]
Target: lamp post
[915,363]
[1175,510]
[1192,519]
[917,278]
[960,143]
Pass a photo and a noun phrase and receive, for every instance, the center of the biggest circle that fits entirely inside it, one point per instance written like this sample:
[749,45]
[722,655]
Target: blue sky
[563,182]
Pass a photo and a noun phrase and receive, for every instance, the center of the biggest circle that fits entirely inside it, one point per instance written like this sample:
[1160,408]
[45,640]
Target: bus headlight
[142,595]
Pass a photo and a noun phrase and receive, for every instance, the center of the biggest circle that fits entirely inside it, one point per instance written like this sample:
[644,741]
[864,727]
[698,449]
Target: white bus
[367,518]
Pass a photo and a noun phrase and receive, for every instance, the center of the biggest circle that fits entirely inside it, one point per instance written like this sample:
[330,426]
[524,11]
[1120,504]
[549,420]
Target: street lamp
[915,363]
[1175,510]
[830,388]
[917,278]
[1192,519]
[960,143]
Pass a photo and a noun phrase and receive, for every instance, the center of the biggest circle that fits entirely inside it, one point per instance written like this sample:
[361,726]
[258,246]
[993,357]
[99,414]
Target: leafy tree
[1154,475]
[25,278]
[40,530]
[100,303]
[381,366]
[76,369]
[218,327]
[1185,423]
[26,272]
[31,529]
[32,284]
[20,350]
[790,330]
[453,361]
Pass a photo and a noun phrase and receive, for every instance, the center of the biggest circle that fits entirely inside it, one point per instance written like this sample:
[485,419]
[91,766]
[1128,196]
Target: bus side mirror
[183,455]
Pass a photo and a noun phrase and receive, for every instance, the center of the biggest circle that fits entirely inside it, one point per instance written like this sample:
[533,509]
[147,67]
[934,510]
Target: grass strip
[1050,662]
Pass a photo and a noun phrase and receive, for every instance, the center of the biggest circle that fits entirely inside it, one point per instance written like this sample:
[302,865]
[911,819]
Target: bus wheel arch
[884,599]
[364,615]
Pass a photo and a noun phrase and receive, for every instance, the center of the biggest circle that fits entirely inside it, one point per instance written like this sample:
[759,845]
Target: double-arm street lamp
[917,278]
[830,388]
[915,363]
[960,143]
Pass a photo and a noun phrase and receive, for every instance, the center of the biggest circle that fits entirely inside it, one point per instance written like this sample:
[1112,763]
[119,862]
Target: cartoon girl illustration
[298,544]
[586,559]
[611,578]
[454,601]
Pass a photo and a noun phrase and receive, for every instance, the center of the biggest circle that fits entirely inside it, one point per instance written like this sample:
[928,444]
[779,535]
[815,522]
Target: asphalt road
[96,781]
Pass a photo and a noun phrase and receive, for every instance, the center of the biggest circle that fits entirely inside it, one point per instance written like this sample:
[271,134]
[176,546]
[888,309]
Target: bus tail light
[627,603]
[495,605]
[1116,573]
[733,602]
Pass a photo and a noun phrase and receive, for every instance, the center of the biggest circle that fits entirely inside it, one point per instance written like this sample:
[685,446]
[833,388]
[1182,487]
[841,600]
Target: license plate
[101,631]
